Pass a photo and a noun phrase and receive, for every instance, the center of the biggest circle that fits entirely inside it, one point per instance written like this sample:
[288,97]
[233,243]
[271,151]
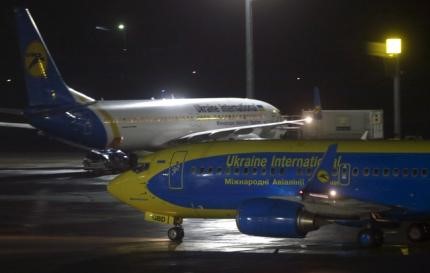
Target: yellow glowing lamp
[393,46]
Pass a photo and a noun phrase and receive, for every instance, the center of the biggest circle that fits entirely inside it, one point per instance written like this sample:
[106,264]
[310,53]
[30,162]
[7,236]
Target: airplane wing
[238,130]
[16,125]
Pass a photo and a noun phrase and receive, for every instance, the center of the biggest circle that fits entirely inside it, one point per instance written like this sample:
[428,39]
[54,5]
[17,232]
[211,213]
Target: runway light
[393,46]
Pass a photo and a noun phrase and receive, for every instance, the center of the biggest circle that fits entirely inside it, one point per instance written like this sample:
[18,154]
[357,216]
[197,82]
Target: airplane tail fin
[319,182]
[45,86]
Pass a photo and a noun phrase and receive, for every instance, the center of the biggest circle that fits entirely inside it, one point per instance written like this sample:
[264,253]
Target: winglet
[319,182]
[317,104]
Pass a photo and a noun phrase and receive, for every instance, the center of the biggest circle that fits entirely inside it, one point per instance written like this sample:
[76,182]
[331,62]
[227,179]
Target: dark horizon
[322,43]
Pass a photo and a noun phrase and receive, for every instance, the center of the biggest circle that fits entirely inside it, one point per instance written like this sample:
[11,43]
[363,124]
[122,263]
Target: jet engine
[274,218]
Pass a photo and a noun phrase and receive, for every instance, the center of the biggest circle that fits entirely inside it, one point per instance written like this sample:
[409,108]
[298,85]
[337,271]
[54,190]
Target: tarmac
[55,217]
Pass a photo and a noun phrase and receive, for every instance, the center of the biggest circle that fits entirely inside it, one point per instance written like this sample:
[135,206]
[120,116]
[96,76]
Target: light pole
[121,28]
[393,49]
[249,50]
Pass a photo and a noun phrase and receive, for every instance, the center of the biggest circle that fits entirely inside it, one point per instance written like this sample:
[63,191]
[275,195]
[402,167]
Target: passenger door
[344,174]
[176,170]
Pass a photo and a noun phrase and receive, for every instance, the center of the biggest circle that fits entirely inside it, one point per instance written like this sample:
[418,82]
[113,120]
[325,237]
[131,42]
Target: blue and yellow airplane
[279,188]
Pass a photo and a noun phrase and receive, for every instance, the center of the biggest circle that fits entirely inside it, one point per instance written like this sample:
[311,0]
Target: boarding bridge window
[375,172]
[386,172]
[414,172]
[424,172]
[405,172]
[355,171]
[366,171]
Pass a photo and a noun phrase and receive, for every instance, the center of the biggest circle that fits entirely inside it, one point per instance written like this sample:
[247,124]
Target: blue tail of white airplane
[53,107]
[45,86]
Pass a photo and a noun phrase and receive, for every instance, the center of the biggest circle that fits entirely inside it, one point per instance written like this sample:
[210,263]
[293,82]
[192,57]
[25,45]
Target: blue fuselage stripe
[286,173]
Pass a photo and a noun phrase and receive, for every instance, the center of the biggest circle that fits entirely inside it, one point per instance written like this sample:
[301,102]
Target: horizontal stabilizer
[12,111]
[16,125]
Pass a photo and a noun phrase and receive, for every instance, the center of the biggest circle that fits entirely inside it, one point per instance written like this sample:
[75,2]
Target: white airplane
[72,117]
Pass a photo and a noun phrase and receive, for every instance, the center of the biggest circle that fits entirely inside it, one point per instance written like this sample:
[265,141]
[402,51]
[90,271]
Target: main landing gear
[176,233]
[418,232]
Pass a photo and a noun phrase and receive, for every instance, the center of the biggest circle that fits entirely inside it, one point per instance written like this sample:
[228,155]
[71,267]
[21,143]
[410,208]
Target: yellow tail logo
[36,60]
[323,176]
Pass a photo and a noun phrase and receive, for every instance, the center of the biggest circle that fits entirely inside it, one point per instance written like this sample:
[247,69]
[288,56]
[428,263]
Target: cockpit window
[141,167]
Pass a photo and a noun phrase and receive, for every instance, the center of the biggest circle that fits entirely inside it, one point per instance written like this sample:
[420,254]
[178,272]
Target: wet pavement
[57,218]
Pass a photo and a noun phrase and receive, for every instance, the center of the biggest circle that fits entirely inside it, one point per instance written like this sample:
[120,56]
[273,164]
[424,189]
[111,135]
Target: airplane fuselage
[148,124]
[214,179]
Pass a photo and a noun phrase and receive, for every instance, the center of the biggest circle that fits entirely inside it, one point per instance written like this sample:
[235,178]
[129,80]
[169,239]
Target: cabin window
[424,172]
[193,170]
[227,170]
[202,170]
[236,171]
[366,171]
[334,172]
[245,171]
[254,171]
[263,171]
[375,172]
[309,171]
[210,170]
[282,171]
[219,171]
[272,171]
[395,172]
[355,171]
[299,172]
[405,172]
[386,172]
[414,172]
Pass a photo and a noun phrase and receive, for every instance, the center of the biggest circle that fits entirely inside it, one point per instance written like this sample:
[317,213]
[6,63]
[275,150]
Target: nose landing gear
[176,233]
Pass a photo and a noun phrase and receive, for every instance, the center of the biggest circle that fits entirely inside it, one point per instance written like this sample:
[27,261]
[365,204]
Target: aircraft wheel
[175,234]
[416,232]
[370,237]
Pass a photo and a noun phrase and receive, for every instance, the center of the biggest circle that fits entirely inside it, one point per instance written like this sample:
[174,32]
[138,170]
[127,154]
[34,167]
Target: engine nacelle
[274,218]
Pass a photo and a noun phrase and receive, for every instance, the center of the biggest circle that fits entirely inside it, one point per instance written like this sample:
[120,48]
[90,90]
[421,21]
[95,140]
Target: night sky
[322,42]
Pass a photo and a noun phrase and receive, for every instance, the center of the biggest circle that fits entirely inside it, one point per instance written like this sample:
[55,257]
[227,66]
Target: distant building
[344,124]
